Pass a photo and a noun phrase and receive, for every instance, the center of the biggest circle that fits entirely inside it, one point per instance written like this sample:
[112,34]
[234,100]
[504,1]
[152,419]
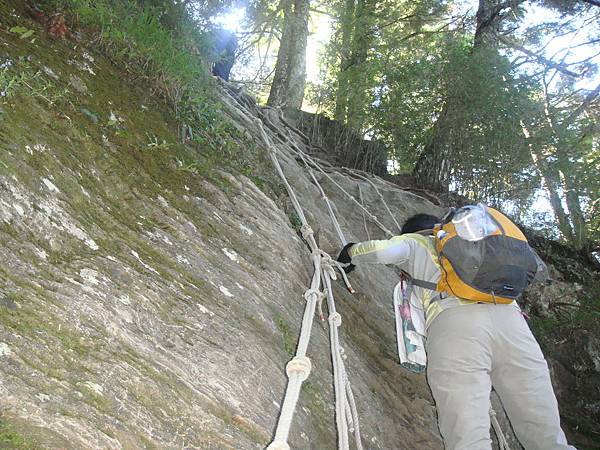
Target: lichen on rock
[152,290]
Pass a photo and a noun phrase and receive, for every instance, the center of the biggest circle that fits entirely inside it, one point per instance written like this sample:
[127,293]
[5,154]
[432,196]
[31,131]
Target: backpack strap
[431,287]
[428,232]
[424,284]
[405,276]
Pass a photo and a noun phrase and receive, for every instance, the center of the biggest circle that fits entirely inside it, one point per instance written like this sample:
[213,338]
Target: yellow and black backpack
[483,256]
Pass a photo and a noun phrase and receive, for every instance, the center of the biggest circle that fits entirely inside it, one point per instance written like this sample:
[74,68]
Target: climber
[224,46]
[471,347]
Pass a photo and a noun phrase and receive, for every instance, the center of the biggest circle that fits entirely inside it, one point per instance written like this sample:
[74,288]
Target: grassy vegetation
[11,439]
[100,162]
[27,320]
[567,317]
[27,80]
[137,38]
[167,51]
[289,340]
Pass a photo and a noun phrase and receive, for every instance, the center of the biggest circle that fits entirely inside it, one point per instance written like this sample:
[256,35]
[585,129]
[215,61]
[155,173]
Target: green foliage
[414,94]
[155,144]
[295,221]
[19,77]
[13,440]
[489,152]
[289,341]
[157,43]
[425,83]
[9,80]
[414,66]
[135,37]
[23,32]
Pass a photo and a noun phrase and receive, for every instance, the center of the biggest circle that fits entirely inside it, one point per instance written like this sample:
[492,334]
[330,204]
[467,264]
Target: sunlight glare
[231,19]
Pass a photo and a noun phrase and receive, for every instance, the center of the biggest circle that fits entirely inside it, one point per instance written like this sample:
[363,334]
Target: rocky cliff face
[151,293]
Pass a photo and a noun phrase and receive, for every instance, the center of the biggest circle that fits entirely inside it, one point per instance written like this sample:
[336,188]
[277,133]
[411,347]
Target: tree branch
[320,11]
[586,102]
[440,29]
[560,67]
[591,2]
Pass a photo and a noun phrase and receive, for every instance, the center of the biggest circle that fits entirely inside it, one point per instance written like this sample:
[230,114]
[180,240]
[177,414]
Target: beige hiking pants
[474,347]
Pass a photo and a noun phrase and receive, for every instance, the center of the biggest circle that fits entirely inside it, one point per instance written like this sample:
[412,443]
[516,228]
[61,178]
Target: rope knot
[278,445]
[306,231]
[300,365]
[310,292]
[335,319]
[328,264]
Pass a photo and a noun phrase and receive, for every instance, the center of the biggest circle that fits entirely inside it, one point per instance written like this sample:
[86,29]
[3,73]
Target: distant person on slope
[471,346]
[224,48]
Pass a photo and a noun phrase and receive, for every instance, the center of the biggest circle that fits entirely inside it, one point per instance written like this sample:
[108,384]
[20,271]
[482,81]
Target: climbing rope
[502,442]
[336,224]
[362,202]
[299,367]
[310,162]
[356,174]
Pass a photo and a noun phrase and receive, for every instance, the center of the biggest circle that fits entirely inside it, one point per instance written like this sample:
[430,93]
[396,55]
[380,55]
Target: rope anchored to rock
[299,367]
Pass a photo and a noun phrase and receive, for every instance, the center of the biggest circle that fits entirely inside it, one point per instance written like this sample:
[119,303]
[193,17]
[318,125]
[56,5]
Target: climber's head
[419,222]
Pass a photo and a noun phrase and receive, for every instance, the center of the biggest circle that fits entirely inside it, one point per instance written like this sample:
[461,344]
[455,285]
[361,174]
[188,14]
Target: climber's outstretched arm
[391,251]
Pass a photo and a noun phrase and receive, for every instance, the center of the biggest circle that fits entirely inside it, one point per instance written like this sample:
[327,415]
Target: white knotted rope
[502,442]
[298,368]
[381,197]
[310,162]
[346,408]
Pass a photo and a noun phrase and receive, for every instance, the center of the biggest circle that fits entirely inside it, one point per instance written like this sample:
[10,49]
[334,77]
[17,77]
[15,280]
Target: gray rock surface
[139,309]
[144,317]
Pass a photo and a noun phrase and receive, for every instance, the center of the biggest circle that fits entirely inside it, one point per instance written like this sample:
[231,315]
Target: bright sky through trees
[320,32]
[568,46]
[540,46]
[231,20]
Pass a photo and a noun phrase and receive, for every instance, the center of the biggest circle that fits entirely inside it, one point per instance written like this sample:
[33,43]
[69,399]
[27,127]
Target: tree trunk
[577,230]
[573,228]
[579,237]
[361,42]
[433,168]
[341,99]
[549,182]
[488,16]
[287,89]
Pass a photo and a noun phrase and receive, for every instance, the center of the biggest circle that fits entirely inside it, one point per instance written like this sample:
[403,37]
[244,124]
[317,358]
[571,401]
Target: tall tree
[346,29]
[433,168]
[353,78]
[561,144]
[288,84]
[463,98]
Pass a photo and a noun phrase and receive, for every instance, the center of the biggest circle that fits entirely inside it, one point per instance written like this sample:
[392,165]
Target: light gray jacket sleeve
[392,251]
